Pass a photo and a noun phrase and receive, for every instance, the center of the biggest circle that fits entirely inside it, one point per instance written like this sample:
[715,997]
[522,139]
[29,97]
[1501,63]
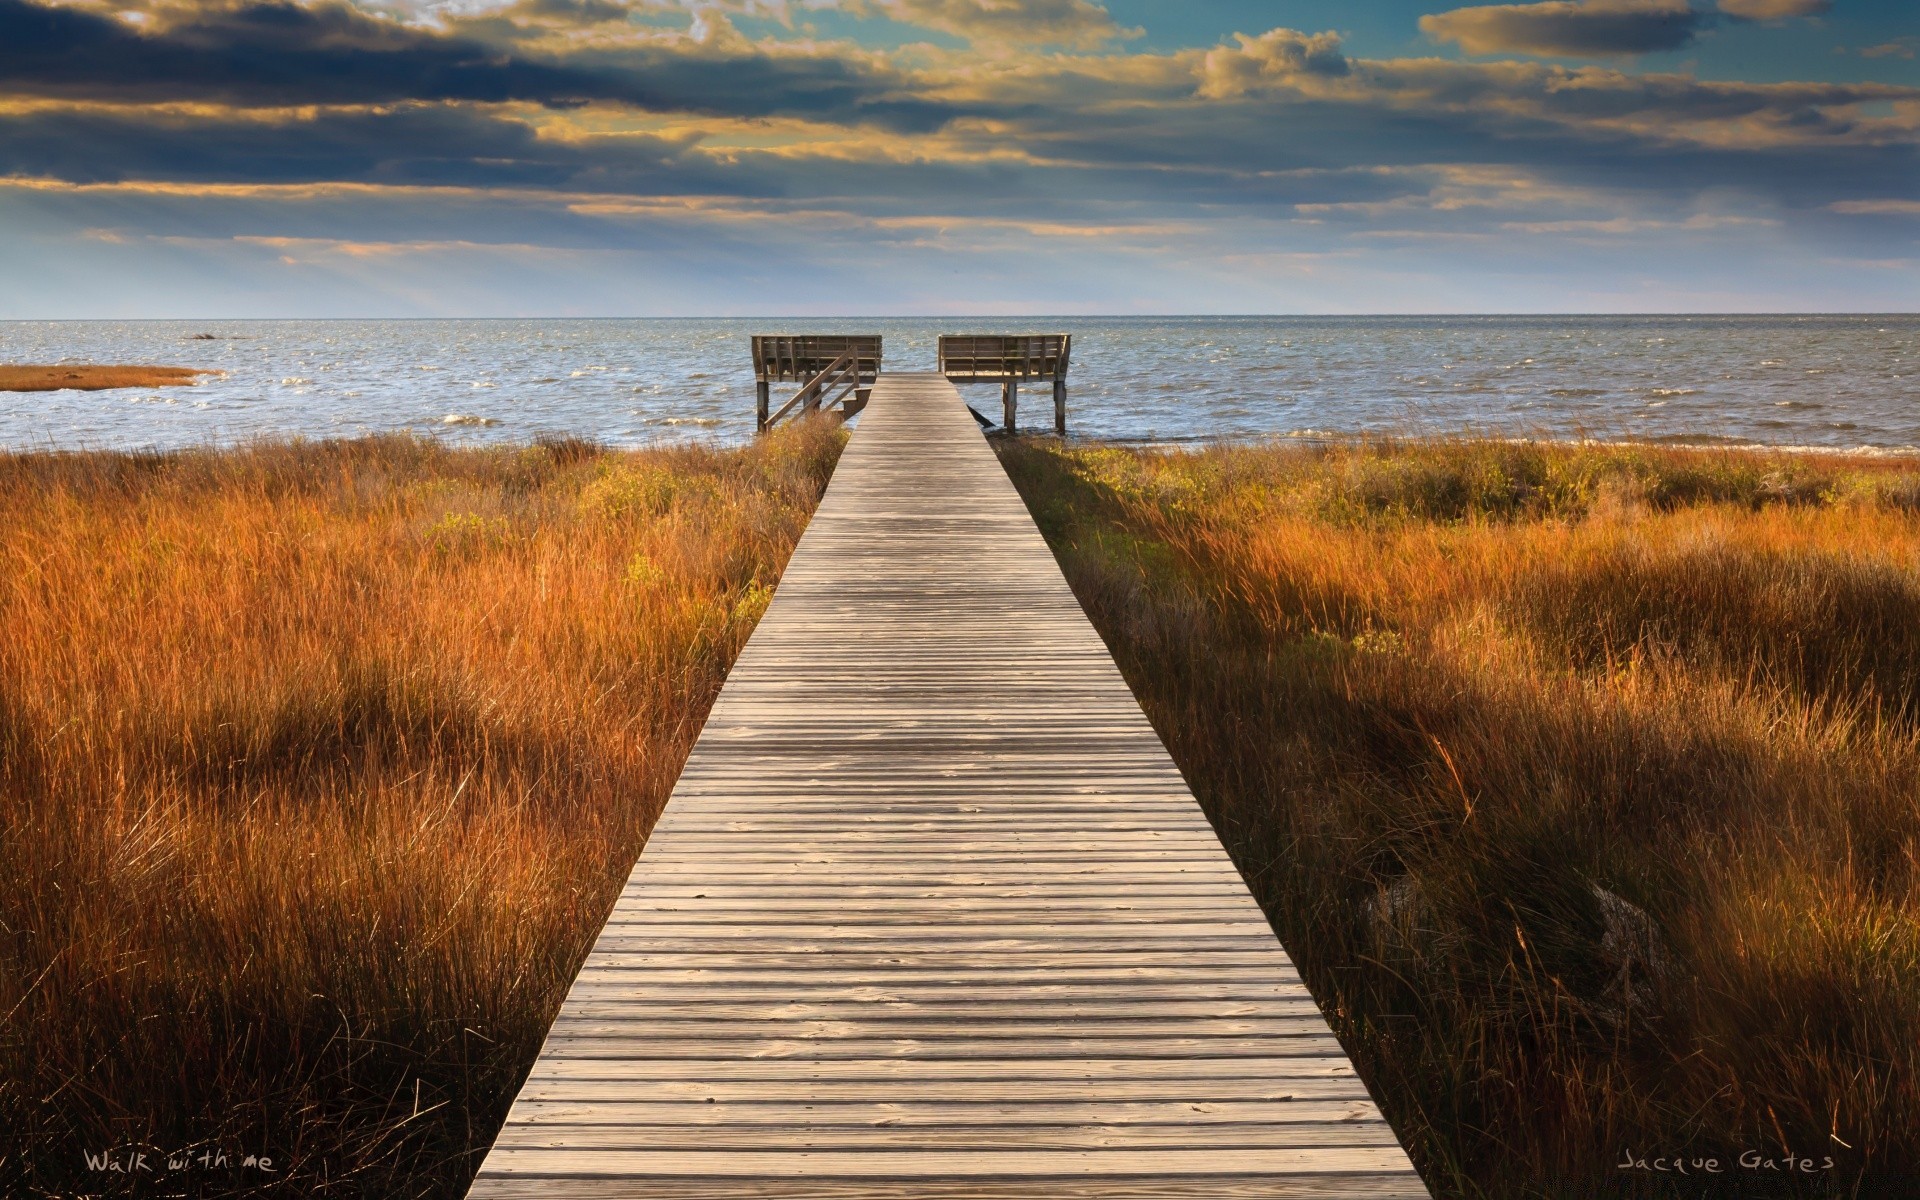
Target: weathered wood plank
[931,913]
[1368,1186]
[936,1114]
[902,1166]
[1082,1092]
[674,1135]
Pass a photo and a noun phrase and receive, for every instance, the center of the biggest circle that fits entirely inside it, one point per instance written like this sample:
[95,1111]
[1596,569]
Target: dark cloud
[1281,151]
[417,145]
[278,54]
[1571,28]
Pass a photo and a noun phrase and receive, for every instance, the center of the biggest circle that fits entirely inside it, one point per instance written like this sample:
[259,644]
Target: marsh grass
[92,378]
[1582,782]
[321,764]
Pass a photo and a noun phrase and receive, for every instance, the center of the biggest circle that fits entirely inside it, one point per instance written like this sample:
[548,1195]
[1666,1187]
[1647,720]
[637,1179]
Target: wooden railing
[842,373]
[807,359]
[1009,359]
[836,371]
[1005,356]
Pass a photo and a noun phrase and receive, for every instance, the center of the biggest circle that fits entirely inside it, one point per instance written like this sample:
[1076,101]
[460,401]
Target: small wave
[585,371]
[294,381]
[548,379]
[1673,391]
[1704,440]
[481,383]
[467,419]
[1576,393]
[425,367]
[703,422]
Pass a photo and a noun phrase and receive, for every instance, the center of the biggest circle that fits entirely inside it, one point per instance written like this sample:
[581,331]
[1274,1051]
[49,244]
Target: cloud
[1275,58]
[628,124]
[299,250]
[1638,226]
[1774,10]
[1464,102]
[1904,47]
[274,53]
[415,144]
[1570,28]
[1075,23]
[1878,208]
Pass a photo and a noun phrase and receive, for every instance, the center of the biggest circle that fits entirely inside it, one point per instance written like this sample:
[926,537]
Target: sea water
[1844,382]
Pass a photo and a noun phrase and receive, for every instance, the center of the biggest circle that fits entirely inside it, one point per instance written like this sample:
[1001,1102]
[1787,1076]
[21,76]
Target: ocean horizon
[1831,381]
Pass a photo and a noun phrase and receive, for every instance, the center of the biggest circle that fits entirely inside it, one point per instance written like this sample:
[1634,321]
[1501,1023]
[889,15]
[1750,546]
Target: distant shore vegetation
[320,767]
[1583,782]
[94,378]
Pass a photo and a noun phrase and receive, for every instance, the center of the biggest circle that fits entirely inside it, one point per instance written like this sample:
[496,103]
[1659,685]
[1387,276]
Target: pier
[930,912]
[831,369]
[1010,360]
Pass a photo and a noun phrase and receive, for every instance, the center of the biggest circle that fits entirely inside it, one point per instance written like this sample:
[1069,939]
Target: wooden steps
[931,913]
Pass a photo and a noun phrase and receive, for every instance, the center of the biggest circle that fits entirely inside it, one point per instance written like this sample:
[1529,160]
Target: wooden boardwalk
[931,913]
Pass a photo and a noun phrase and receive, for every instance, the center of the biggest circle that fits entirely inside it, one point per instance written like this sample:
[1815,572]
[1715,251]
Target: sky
[359,158]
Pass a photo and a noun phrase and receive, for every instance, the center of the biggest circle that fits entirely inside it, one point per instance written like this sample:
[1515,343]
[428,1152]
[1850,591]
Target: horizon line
[1159,316]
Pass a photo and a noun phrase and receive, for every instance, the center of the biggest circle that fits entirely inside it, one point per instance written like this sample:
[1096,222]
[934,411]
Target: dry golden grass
[1584,783]
[320,765]
[28,378]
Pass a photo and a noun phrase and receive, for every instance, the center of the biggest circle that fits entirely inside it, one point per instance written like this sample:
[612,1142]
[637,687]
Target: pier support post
[1060,407]
[1009,400]
[762,402]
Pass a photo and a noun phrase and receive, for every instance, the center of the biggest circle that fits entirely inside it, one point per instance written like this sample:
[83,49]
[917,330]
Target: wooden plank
[937,1114]
[1098,1093]
[607,1021]
[624,1133]
[900,1167]
[930,911]
[1368,1186]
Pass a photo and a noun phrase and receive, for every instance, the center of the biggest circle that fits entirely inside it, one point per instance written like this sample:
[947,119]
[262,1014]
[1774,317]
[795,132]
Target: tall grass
[320,765]
[1583,782]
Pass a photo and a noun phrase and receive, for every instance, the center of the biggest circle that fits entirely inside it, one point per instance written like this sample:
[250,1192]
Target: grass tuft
[320,766]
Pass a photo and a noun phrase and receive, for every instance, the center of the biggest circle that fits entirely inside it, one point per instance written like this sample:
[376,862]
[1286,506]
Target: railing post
[1009,400]
[1059,406]
[762,402]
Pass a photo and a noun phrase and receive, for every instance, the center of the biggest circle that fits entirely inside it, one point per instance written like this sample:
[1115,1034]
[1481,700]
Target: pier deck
[931,913]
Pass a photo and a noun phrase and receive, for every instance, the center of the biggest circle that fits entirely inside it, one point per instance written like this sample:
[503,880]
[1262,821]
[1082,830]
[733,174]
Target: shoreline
[440,432]
[1281,440]
[448,431]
